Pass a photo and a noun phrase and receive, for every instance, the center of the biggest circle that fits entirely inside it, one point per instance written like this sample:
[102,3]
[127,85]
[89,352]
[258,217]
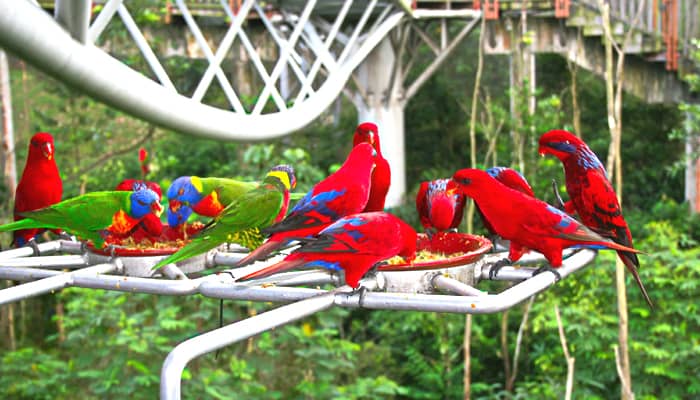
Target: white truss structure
[336,48]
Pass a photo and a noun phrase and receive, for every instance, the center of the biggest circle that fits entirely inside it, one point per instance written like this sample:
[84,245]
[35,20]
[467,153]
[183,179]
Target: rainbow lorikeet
[354,243]
[204,196]
[440,205]
[527,222]
[40,185]
[94,215]
[253,210]
[342,193]
[511,178]
[130,184]
[592,195]
[368,132]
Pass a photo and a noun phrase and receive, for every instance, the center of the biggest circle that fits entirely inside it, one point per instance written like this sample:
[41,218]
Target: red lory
[40,185]
[354,243]
[527,222]
[342,193]
[128,184]
[251,211]
[367,132]
[511,178]
[592,195]
[94,215]
[440,205]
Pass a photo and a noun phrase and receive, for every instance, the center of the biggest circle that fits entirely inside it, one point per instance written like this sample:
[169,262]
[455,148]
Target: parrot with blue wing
[527,222]
[354,244]
[591,194]
[342,193]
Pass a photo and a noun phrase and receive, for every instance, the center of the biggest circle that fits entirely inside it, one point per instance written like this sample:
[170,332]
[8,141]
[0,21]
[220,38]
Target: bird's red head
[443,205]
[559,143]
[471,181]
[42,145]
[367,132]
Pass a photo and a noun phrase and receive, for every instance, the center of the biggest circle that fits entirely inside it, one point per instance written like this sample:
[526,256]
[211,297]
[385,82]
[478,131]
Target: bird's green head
[285,174]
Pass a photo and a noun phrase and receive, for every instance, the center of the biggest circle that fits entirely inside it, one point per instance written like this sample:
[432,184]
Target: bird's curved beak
[156,208]
[174,205]
[47,150]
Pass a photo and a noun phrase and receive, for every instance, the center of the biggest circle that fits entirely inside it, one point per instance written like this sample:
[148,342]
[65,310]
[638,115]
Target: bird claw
[497,266]
[557,196]
[546,268]
[362,291]
[35,247]
[66,236]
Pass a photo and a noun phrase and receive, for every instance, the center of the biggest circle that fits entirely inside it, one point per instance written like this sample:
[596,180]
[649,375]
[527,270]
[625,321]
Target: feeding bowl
[442,250]
[140,253]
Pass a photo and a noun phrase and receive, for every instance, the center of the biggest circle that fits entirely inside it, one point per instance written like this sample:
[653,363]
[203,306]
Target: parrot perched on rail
[511,178]
[440,205]
[527,222]
[342,193]
[592,195]
[204,196]
[93,215]
[253,210]
[129,184]
[368,132]
[40,185]
[354,243]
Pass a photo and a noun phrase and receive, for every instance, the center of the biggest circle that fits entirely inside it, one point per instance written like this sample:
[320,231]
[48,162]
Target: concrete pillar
[375,77]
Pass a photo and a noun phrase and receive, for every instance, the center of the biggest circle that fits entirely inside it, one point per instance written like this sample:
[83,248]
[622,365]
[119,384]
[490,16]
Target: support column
[379,100]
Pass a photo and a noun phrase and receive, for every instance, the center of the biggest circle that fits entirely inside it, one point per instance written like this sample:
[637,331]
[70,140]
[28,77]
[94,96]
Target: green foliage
[112,345]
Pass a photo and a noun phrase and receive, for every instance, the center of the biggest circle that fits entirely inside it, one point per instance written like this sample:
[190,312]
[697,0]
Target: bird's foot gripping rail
[441,290]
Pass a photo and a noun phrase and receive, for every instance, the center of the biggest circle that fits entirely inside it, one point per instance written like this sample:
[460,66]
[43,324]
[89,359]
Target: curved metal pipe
[31,34]
[171,374]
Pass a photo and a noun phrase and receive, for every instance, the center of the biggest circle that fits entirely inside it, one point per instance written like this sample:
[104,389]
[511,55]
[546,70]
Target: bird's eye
[567,142]
[181,192]
[142,203]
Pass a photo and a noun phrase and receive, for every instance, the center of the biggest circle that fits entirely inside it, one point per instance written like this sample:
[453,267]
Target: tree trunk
[470,209]
[614,83]
[8,141]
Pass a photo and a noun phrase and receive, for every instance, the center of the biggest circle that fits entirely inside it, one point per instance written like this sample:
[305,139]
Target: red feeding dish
[137,245]
[456,249]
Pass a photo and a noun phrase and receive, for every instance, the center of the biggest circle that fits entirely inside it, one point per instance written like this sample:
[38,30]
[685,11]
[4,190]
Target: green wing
[228,189]
[239,220]
[83,215]
[255,209]
[88,212]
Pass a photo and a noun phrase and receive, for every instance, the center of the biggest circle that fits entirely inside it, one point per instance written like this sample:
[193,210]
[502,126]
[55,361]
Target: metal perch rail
[390,290]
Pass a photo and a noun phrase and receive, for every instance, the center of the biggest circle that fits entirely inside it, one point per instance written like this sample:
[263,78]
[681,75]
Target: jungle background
[92,344]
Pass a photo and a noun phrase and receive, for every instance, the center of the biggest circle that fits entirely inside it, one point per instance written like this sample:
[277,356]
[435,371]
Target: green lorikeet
[251,211]
[94,215]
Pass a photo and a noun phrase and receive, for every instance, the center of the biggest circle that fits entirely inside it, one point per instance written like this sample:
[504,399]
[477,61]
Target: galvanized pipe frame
[310,301]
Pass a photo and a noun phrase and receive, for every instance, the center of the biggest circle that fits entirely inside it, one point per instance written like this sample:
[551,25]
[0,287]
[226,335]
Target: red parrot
[440,205]
[40,185]
[527,222]
[128,184]
[592,195]
[354,243]
[367,132]
[511,178]
[342,193]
